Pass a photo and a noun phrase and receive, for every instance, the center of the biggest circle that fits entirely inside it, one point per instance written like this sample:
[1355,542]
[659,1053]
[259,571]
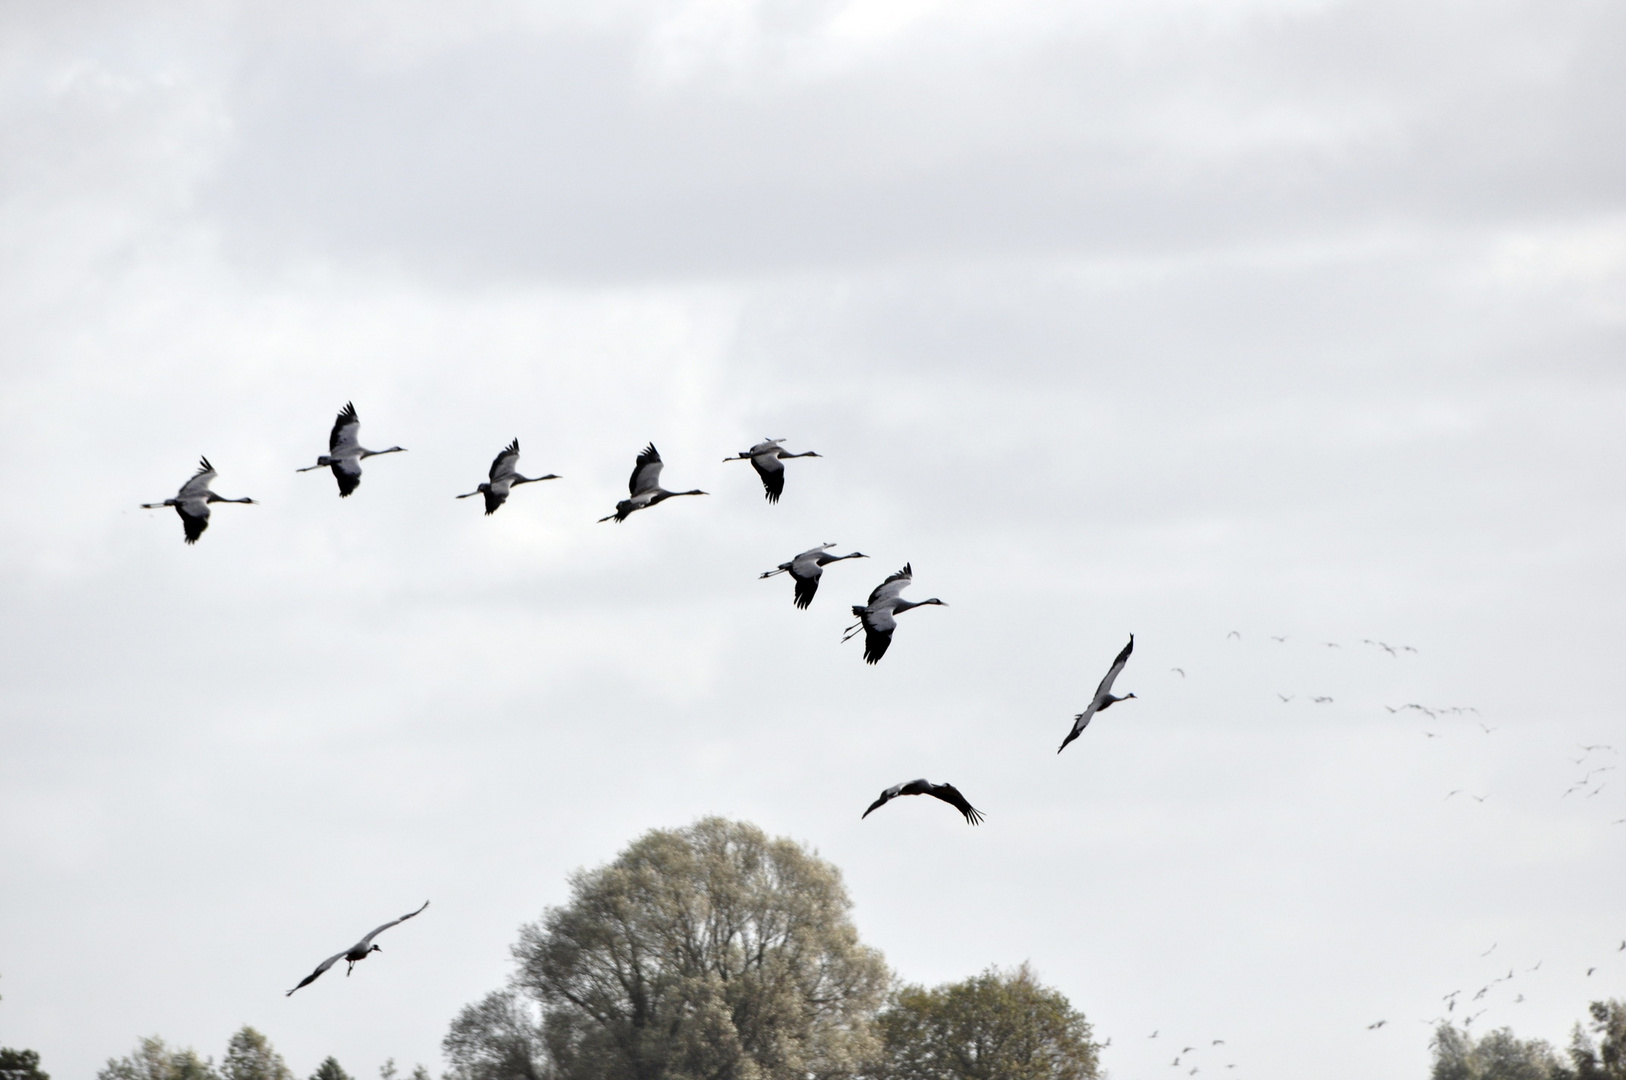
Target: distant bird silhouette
[1490,950]
[806,569]
[878,618]
[503,476]
[1457,791]
[192,501]
[1390,649]
[1153,1035]
[1285,697]
[1182,671]
[1590,970]
[1332,645]
[355,953]
[1322,700]
[1278,640]
[645,487]
[765,458]
[1374,1027]
[1235,634]
[1103,695]
[947,792]
[344,453]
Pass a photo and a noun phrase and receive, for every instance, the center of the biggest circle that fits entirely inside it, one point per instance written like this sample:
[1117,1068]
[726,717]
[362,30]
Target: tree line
[715,952]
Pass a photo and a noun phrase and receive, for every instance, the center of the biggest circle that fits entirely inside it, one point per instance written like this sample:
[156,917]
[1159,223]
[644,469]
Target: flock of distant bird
[877,616]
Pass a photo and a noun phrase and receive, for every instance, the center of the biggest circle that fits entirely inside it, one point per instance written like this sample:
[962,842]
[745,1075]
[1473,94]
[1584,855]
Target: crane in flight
[765,458]
[1103,695]
[645,487]
[345,452]
[878,618]
[806,569]
[356,953]
[192,501]
[503,476]
[947,792]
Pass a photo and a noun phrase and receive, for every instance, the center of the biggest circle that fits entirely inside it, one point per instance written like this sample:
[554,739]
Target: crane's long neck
[375,453]
[904,605]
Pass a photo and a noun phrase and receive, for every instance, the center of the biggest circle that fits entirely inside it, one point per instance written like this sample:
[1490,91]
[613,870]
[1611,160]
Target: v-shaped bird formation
[876,617]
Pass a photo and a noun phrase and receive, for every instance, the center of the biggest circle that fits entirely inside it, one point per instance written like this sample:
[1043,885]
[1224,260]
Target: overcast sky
[1170,318]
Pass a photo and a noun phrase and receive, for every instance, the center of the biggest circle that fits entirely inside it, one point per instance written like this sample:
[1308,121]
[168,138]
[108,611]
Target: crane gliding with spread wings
[344,451]
[806,569]
[504,475]
[947,792]
[355,953]
[1103,696]
[765,458]
[877,618]
[192,501]
[645,487]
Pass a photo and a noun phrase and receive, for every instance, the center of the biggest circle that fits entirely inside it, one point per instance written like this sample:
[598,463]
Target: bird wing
[1112,672]
[198,483]
[893,585]
[878,627]
[1080,722]
[886,796]
[323,966]
[505,462]
[772,471]
[951,795]
[346,429]
[347,471]
[364,942]
[807,581]
[494,498]
[194,517]
[646,474]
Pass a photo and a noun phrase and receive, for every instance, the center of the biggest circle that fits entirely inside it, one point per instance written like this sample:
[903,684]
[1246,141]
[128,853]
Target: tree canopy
[20,1065]
[153,1060]
[330,1069]
[706,953]
[994,1026]
[1496,1055]
[1604,1060]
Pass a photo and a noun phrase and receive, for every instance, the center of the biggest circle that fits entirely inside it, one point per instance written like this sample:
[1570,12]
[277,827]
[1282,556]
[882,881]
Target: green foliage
[330,1069]
[1497,1055]
[20,1065]
[1605,1061]
[496,1038]
[705,953]
[153,1060]
[249,1056]
[995,1026]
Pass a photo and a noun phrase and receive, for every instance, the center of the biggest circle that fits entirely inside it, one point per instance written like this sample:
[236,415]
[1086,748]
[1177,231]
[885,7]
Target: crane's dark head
[375,948]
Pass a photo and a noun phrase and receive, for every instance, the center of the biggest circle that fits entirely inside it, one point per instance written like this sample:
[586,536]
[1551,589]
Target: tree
[249,1056]
[153,1060]
[1608,1061]
[994,1026]
[20,1065]
[1497,1055]
[706,953]
[330,1069]
[496,1039]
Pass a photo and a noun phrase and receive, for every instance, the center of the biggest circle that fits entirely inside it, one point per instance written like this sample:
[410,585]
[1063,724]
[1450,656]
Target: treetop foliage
[711,952]
[20,1065]
[993,1026]
[1500,1055]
